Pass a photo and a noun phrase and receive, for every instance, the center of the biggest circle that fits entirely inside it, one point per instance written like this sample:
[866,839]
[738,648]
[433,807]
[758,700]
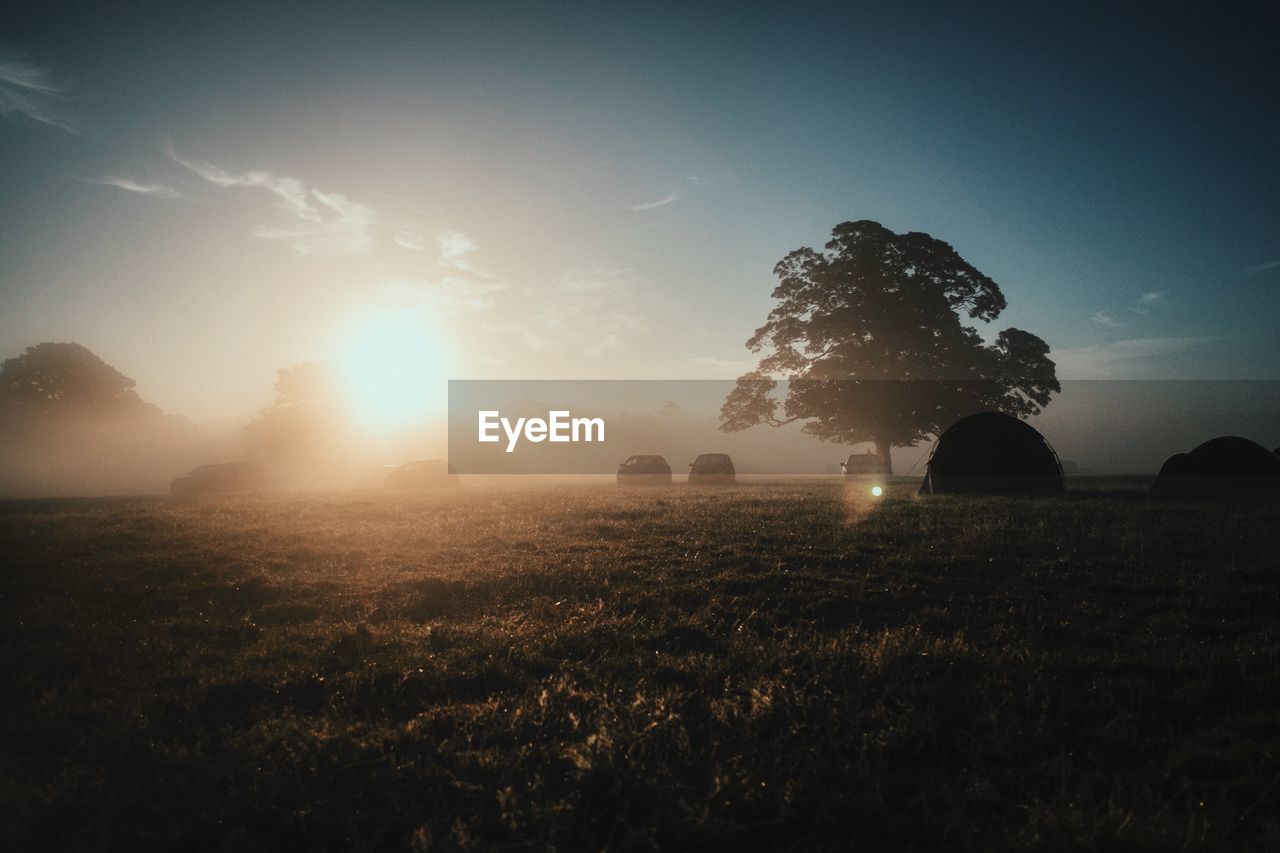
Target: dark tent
[992,453]
[1224,464]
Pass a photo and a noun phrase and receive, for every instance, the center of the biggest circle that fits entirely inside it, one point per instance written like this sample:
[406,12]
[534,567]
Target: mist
[71,425]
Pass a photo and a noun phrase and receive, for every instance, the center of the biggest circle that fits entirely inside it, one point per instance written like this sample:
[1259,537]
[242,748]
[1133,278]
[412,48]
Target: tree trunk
[883,450]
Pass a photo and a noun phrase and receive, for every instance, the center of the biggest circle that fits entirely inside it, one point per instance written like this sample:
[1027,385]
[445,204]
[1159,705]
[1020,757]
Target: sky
[202,194]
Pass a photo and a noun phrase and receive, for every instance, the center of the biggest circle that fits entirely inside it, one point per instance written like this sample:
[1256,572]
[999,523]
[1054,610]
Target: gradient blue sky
[561,190]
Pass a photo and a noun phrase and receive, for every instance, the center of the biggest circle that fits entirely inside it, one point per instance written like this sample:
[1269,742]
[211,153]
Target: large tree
[71,424]
[872,339]
[67,377]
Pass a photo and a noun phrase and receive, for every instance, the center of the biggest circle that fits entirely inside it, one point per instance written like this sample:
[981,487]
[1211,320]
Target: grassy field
[581,668]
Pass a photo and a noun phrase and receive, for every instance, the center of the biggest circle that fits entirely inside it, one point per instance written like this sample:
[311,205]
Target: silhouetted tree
[879,306]
[67,377]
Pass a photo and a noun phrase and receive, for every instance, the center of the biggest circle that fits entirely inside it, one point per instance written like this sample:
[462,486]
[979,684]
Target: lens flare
[876,491]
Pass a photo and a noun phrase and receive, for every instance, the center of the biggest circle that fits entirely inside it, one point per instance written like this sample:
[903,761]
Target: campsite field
[774,665]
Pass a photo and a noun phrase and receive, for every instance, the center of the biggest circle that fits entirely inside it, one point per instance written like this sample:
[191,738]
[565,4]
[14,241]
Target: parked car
[863,465]
[224,478]
[422,474]
[375,477]
[644,471]
[712,469]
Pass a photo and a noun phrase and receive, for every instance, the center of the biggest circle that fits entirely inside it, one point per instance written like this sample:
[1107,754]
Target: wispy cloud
[410,238]
[30,91]
[673,196]
[1131,358]
[1262,267]
[1105,319]
[454,246]
[1147,301]
[592,311]
[321,223]
[587,311]
[133,185]
[450,296]
[677,192]
[456,250]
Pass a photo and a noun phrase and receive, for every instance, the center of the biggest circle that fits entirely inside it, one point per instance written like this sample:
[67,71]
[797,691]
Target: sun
[393,371]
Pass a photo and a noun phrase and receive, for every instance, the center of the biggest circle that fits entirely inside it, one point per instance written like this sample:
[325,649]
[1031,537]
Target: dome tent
[992,453]
[1224,464]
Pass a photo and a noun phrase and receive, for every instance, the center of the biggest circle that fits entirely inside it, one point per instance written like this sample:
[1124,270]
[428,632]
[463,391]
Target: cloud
[1120,359]
[1262,267]
[1147,301]
[133,185]
[32,92]
[456,249]
[673,196]
[597,309]
[410,239]
[454,246]
[678,189]
[587,311]
[450,296]
[1106,319]
[322,223]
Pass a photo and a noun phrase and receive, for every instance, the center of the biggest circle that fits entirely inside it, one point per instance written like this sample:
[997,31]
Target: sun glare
[393,370]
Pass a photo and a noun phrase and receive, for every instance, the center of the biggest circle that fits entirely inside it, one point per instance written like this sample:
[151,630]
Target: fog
[70,425]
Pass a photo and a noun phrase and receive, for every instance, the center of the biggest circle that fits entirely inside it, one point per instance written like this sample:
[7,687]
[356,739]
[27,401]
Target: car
[712,469]
[224,478]
[422,474]
[644,470]
[865,472]
[375,477]
[863,465]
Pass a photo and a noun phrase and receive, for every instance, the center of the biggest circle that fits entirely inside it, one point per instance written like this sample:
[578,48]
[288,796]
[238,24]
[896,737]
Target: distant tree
[67,377]
[72,424]
[879,306]
[310,385]
[303,434]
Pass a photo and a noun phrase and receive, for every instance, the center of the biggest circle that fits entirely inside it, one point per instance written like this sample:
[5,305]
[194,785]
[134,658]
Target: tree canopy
[871,336]
[67,377]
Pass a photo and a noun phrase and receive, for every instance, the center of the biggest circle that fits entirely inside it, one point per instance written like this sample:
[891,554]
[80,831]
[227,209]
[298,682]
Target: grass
[771,666]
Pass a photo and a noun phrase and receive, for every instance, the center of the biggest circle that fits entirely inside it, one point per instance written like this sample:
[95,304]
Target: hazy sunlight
[393,369]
